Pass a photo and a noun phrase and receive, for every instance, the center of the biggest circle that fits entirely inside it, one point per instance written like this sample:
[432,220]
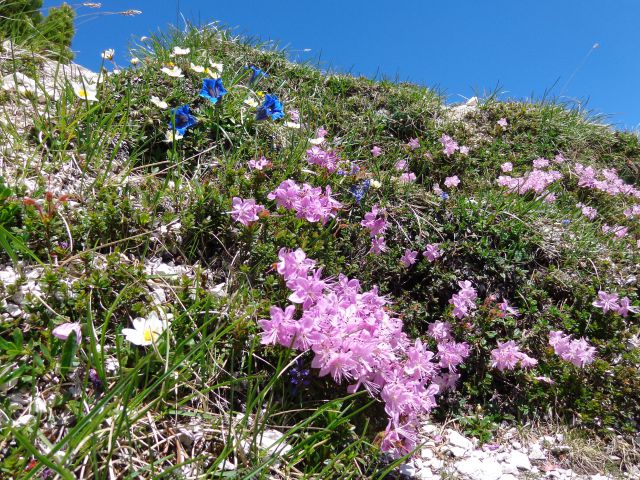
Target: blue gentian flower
[444,195]
[299,377]
[256,74]
[359,191]
[212,89]
[566,222]
[271,107]
[181,119]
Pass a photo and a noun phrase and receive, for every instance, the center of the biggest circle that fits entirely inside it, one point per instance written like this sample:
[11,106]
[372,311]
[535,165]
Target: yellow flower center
[82,93]
[148,335]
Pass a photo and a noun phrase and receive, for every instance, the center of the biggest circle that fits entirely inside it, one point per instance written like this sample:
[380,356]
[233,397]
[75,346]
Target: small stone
[457,452]
[478,469]
[458,440]
[509,469]
[517,445]
[537,453]
[407,469]
[13,310]
[520,460]
[561,449]
[426,453]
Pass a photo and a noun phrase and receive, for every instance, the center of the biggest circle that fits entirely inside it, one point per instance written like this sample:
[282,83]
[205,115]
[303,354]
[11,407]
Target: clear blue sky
[460,47]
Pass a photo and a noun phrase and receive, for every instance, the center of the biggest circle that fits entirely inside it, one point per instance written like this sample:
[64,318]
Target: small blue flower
[181,119]
[444,196]
[359,191]
[271,107]
[256,74]
[212,89]
[566,222]
[299,377]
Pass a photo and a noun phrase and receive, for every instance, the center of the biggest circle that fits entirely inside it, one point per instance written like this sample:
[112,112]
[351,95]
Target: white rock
[39,405]
[508,476]
[537,453]
[457,452]
[426,453]
[477,469]
[517,445]
[8,276]
[158,297]
[407,469]
[436,463]
[13,310]
[509,469]
[519,460]
[458,440]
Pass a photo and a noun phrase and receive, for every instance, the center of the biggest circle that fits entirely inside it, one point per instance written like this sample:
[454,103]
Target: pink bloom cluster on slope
[309,203]
[325,158]
[464,301]
[450,146]
[611,302]
[578,352]
[589,177]
[508,355]
[245,211]
[375,222]
[535,180]
[353,337]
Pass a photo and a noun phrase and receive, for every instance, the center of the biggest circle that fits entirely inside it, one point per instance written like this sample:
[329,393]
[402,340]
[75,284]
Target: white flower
[217,67]
[375,184]
[181,51]
[251,102]
[197,68]
[86,91]
[135,60]
[64,331]
[292,124]
[159,103]
[108,54]
[316,141]
[144,39]
[173,72]
[145,331]
[169,136]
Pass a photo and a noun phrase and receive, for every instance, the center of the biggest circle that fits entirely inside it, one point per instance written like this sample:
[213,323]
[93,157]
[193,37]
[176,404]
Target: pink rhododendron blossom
[407,177]
[259,164]
[534,181]
[450,146]
[293,264]
[507,167]
[578,352]
[626,307]
[376,151]
[632,212]
[321,132]
[452,354]
[432,252]
[64,331]
[409,257]
[464,150]
[587,211]
[309,203]
[589,177]
[374,221]
[508,309]
[503,123]
[245,211]
[452,182]
[413,144]
[463,301]
[401,165]
[324,158]
[508,355]
[378,245]
[559,158]
[540,163]
[606,301]
[440,331]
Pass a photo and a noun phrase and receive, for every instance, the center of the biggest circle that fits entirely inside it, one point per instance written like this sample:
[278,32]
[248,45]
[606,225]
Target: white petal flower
[217,67]
[64,331]
[375,184]
[175,71]
[251,102]
[169,136]
[197,68]
[134,60]
[145,331]
[316,141]
[292,124]
[108,54]
[86,91]
[181,51]
[159,103]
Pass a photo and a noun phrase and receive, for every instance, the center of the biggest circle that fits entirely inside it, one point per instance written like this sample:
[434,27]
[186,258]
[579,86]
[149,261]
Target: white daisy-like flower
[108,54]
[171,136]
[134,60]
[218,67]
[159,103]
[197,68]
[375,184]
[181,51]
[145,331]
[85,91]
[292,124]
[316,141]
[174,71]
[251,102]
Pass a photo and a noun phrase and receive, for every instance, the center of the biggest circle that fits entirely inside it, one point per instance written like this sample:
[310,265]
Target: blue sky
[462,47]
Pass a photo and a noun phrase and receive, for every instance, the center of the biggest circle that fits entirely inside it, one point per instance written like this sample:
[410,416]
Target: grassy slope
[126,184]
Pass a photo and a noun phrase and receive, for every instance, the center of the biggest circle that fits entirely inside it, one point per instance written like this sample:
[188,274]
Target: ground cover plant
[217,262]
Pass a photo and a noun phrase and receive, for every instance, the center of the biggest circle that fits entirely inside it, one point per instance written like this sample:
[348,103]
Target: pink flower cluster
[588,177]
[451,182]
[587,211]
[325,158]
[508,355]
[309,203]
[535,180]
[611,302]
[450,146]
[632,212]
[245,211]
[432,252]
[375,222]
[464,301]
[578,352]
[354,338]
[259,164]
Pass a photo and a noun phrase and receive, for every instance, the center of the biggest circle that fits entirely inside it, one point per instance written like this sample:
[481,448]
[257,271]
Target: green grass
[208,387]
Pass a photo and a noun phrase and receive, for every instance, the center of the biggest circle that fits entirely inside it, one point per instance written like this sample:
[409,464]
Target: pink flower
[413,143]
[294,115]
[578,352]
[376,151]
[432,252]
[559,158]
[324,158]
[588,212]
[321,132]
[449,144]
[503,123]
[451,182]
[452,354]
[407,177]
[376,224]
[464,150]
[508,355]
[64,331]
[626,307]
[506,167]
[378,245]
[245,211]
[508,309]
[606,301]
[540,163]
[409,257]
[401,165]
[440,331]
[259,164]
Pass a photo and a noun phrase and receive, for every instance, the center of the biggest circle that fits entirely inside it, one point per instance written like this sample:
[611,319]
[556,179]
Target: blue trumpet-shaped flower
[270,108]
[212,89]
[256,74]
[181,119]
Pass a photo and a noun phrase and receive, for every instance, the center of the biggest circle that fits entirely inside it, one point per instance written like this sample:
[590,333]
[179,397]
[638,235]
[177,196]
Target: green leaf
[68,354]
